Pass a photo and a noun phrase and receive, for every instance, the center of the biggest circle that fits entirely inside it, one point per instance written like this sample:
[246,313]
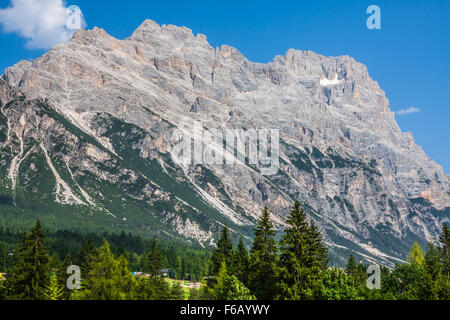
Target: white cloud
[407,111]
[44,23]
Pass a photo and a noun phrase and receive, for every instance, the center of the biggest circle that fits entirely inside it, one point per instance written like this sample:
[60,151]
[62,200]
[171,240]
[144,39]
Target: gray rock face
[368,185]
[8,92]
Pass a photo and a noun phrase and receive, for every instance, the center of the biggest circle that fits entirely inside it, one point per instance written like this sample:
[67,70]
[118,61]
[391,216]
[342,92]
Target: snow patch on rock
[326,82]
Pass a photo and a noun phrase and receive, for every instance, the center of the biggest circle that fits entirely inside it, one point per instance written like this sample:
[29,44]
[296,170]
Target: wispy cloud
[407,111]
[43,23]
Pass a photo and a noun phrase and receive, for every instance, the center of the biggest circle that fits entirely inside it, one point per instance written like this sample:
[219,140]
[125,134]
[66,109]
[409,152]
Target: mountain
[87,136]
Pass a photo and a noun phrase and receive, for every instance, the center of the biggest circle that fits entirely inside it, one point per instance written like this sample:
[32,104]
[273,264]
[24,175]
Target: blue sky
[409,56]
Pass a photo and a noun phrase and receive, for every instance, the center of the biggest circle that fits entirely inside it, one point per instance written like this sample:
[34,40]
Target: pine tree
[303,256]
[434,269]
[30,275]
[179,274]
[154,261]
[318,249]
[351,265]
[444,284]
[444,239]
[357,272]
[264,273]
[223,252]
[241,262]
[433,264]
[108,278]
[85,255]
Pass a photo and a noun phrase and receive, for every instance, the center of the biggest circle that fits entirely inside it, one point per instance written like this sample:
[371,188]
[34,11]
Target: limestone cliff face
[368,185]
[8,92]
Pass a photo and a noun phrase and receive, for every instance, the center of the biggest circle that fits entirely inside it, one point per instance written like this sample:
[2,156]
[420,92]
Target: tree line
[187,262]
[293,268]
[297,268]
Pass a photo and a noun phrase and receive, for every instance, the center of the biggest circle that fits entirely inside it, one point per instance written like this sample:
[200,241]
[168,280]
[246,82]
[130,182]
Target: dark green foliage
[195,294]
[176,292]
[30,275]
[154,261]
[357,272]
[108,278]
[423,278]
[62,277]
[434,268]
[351,265]
[156,288]
[444,239]
[223,252]
[193,261]
[2,289]
[433,265]
[407,282]
[241,262]
[3,257]
[303,256]
[299,271]
[86,254]
[264,271]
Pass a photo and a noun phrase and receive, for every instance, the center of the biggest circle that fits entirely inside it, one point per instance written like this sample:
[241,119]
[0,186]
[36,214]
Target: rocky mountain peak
[149,31]
[342,153]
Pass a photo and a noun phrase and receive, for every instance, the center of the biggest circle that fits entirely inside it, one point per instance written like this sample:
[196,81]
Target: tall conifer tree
[241,262]
[319,251]
[223,252]
[109,278]
[303,256]
[444,239]
[153,261]
[264,273]
[351,265]
[30,276]
[85,255]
